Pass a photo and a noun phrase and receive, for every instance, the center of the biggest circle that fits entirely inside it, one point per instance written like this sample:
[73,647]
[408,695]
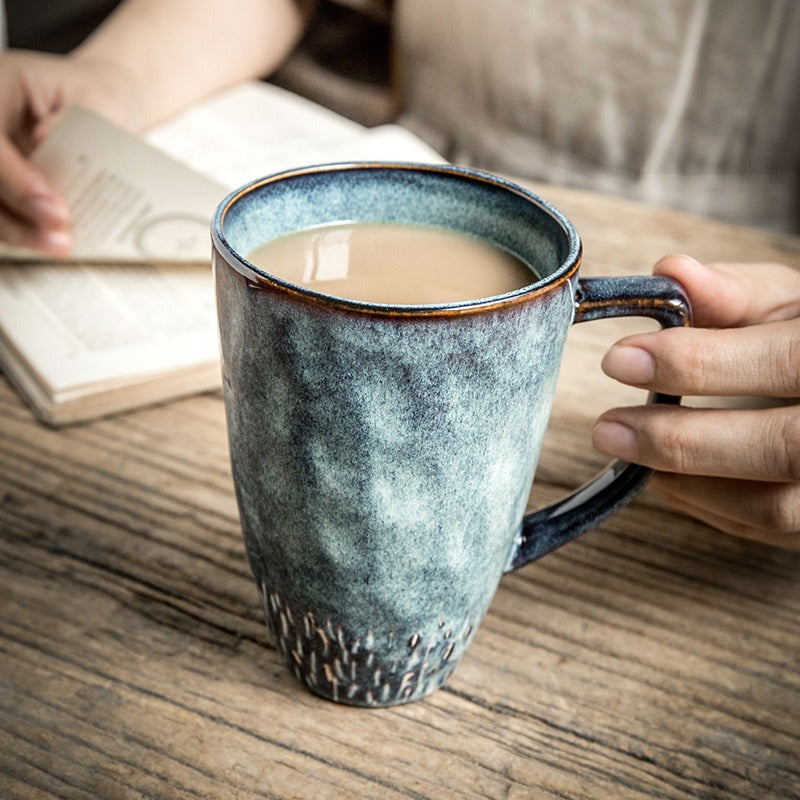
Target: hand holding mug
[736,469]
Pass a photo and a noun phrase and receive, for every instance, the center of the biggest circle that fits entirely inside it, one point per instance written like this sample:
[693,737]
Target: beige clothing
[693,104]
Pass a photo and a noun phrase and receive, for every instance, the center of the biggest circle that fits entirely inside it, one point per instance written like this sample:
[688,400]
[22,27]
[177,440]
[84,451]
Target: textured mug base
[368,669]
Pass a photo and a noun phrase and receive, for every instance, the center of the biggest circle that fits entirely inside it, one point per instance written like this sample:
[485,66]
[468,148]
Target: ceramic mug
[383,455]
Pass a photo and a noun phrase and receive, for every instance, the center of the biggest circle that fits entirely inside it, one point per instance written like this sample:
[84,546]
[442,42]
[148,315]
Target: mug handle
[662,299]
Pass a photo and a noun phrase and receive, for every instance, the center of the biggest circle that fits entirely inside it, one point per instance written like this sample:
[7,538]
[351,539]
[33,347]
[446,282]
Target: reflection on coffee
[394,264]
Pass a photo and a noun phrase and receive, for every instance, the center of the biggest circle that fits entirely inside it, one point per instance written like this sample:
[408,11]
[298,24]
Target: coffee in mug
[393,263]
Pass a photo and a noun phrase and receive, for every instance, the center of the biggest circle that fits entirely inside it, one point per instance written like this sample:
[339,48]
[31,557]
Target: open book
[129,319]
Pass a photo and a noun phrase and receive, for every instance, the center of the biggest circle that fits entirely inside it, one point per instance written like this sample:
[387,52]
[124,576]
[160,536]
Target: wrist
[109,88]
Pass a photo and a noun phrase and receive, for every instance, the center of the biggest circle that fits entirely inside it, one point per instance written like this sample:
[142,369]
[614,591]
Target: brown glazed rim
[258,279]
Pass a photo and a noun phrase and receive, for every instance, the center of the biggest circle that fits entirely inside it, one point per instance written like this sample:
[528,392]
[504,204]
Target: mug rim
[259,278]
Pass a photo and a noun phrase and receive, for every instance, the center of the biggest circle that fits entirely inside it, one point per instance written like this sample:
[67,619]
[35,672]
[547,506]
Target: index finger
[758,361]
[26,193]
[735,295]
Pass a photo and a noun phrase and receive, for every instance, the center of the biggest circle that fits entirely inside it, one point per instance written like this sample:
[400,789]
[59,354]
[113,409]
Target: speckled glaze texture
[383,455]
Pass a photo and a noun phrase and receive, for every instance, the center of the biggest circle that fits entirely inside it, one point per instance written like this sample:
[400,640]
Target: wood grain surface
[652,658]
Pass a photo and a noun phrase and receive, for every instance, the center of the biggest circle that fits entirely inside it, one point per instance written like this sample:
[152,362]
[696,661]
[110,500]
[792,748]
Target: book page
[100,335]
[77,326]
[129,201]
[256,129]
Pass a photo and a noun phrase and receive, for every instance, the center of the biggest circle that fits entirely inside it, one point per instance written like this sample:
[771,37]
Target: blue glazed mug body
[383,455]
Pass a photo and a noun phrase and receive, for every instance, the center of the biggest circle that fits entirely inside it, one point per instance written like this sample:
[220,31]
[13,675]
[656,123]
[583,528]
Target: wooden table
[652,658]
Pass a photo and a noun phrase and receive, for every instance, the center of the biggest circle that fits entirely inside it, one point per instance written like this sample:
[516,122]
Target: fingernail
[46,209]
[630,365]
[615,439]
[58,242]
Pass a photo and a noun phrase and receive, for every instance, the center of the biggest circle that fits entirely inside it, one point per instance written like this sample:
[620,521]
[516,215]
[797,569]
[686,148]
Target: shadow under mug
[382,454]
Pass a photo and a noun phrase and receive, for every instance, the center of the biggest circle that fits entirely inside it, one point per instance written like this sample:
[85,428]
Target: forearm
[169,53]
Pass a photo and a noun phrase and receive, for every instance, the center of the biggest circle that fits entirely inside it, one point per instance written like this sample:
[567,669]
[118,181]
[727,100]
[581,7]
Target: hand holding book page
[129,202]
[129,319]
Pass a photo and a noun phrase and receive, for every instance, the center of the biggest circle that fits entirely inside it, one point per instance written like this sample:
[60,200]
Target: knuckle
[687,365]
[673,444]
[791,446]
[781,512]
[789,364]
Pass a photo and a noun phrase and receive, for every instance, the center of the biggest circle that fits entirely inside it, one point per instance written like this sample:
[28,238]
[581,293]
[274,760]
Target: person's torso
[689,103]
